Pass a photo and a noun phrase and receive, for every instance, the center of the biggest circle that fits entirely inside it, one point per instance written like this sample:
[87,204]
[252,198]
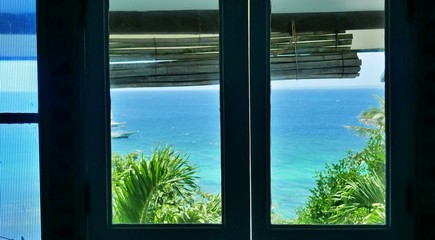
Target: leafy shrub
[160,189]
[352,191]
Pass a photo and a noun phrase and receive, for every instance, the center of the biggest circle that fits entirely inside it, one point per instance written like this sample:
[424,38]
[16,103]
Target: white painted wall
[368,39]
[300,6]
[278,6]
[155,5]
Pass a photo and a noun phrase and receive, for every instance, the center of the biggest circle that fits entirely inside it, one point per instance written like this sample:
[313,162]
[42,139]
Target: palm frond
[373,119]
[151,181]
[363,201]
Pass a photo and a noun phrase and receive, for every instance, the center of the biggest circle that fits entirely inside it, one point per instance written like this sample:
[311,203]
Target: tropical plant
[198,207]
[366,195]
[121,164]
[321,204]
[373,119]
[352,191]
[160,189]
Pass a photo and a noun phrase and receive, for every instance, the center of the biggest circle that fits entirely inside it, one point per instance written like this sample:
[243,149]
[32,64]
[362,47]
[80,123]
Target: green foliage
[366,195]
[352,191]
[373,119]
[329,182]
[120,165]
[198,207]
[160,189]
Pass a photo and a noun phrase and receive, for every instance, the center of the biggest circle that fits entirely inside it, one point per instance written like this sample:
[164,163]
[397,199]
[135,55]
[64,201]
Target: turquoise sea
[307,132]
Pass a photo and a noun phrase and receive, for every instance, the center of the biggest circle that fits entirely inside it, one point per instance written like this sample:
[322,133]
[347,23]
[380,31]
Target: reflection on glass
[18,86]
[18,68]
[164,75]
[20,214]
[327,116]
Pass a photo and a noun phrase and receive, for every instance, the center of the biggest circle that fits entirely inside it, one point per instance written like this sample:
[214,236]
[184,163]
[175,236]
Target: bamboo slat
[313,58]
[177,69]
[287,37]
[314,65]
[211,79]
[159,41]
[163,50]
[207,40]
[166,80]
[200,56]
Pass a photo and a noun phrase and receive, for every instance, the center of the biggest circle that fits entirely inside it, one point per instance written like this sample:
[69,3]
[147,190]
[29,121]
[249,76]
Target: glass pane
[18,68]
[20,216]
[165,118]
[327,113]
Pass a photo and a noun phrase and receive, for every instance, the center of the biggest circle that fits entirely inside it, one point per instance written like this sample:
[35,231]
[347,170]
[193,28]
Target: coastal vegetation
[162,188]
[352,191]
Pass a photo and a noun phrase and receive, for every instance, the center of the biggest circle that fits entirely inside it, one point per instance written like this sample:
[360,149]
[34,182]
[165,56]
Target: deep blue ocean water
[307,131]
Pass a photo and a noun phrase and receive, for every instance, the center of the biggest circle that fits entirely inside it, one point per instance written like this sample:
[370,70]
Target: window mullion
[260,115]
[19,118]
[235,117]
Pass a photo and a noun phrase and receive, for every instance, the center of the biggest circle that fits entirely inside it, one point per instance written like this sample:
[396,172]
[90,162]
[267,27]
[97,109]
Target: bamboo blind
[189,60]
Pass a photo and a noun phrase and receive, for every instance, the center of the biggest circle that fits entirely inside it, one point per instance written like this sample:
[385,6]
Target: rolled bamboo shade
[150,60]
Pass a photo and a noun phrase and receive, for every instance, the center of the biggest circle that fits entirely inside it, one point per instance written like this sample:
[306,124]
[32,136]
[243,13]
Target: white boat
[121,134]
[116,129]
